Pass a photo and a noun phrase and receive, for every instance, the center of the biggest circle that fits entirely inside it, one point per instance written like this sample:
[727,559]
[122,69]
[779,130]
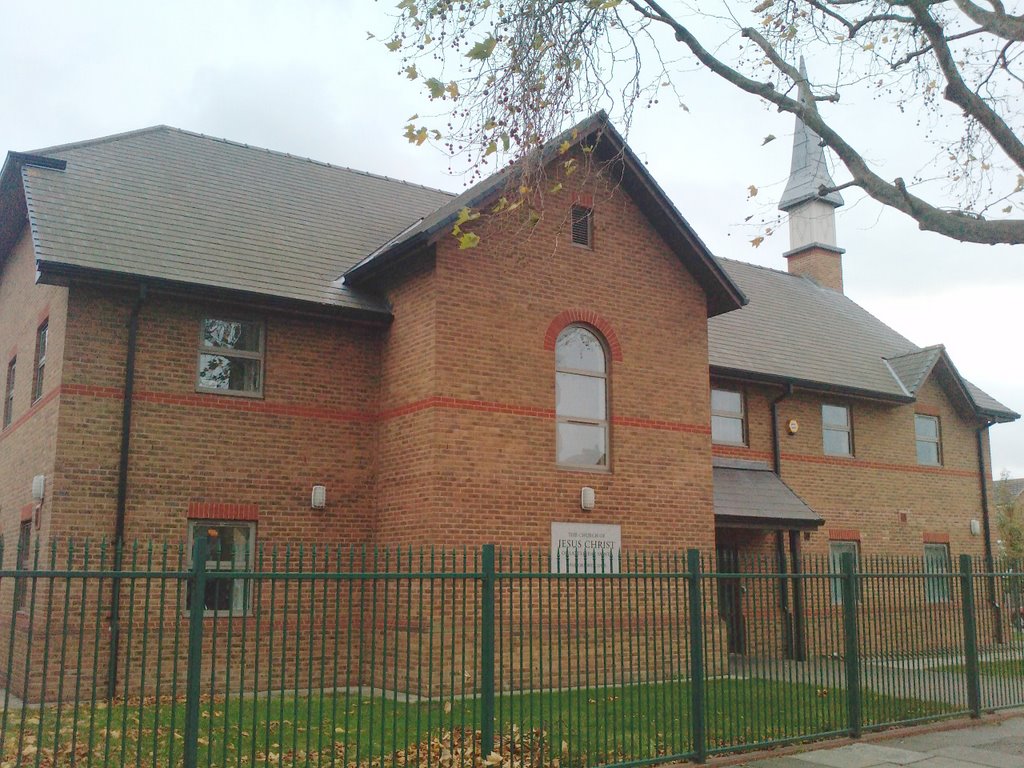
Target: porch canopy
[748,494]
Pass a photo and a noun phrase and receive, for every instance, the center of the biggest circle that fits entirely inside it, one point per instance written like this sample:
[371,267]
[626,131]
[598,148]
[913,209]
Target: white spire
[808,172]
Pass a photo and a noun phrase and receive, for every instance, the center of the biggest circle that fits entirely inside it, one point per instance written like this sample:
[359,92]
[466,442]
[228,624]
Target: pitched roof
[795,331]
[750,493]
[722,293]
[186,208]
[808,172]
[1009,488]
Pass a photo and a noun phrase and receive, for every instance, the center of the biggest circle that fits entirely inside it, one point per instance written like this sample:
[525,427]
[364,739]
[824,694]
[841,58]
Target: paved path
[920,679]
[994,745]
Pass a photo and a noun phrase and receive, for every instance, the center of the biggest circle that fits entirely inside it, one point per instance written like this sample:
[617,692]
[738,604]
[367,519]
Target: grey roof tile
[747,492]
[793,329]
[173,205]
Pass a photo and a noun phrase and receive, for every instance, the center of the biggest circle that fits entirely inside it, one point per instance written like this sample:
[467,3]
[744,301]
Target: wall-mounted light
[975,527]
[587,498]
[318,500]
[38,488]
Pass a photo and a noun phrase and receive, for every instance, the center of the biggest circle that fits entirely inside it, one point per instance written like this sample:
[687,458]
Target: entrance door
[730,599]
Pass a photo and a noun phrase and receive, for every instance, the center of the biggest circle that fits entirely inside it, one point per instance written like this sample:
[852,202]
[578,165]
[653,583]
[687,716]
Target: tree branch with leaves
[509,74]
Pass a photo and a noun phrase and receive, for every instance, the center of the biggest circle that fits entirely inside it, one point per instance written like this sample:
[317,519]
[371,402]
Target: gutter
[122,491]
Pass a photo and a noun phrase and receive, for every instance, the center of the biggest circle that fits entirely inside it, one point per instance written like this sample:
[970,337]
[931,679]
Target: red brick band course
[934,537]
[217,510]
[570,316]
[843,534]
[259,406]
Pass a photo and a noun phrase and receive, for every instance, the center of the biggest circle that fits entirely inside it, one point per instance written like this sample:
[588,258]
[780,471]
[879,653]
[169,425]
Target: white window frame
[740,416]
[259,355]
[936,441]
[39,371]
[847,430]
[606,422]
[937,590]
[836,549]
[12,372]
[241,589]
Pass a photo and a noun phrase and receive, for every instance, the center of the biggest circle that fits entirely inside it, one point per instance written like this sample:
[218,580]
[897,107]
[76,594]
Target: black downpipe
[790,619]
[122,492]
[990,565]
[776,443]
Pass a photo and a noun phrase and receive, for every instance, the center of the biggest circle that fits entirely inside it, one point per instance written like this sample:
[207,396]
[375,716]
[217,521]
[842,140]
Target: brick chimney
[812,252]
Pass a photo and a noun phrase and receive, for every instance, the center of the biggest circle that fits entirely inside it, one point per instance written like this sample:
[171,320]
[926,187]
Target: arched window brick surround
[570,316]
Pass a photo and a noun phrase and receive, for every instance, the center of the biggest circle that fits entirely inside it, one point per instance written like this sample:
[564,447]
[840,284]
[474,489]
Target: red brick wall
[868,492]
[492,445]
[314,424]
[28,445]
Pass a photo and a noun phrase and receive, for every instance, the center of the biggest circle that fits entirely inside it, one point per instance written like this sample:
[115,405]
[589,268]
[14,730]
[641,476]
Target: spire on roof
[808,171]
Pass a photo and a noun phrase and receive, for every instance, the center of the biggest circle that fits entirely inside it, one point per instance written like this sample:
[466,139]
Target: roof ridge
[230,142]
[103,139]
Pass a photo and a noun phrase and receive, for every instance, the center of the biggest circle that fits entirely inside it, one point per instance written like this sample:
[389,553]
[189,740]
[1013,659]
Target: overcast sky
[301,77]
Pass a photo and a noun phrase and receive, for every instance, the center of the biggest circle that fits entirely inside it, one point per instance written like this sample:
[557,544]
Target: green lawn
[562,728]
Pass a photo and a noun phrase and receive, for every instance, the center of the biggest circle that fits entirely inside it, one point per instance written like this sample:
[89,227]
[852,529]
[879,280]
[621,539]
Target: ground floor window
[230,549]
[21,585]
[836,550]
[936,560]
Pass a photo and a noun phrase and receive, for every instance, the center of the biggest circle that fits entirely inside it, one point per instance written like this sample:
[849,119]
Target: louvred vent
[581,225]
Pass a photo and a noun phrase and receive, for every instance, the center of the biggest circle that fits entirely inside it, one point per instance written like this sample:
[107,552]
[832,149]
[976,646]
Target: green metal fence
[319,656]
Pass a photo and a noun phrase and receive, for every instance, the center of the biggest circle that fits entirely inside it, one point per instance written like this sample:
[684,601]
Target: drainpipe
[793,621]
[990,566]
[122,492]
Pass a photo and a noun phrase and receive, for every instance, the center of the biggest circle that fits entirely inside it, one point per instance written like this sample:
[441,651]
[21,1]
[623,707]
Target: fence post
[197,593]
[853,692]
[487,653]
[697,714]
[970,636]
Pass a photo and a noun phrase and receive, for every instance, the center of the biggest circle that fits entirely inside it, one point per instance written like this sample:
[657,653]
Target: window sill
[590,470]
[728,444]
[230,393]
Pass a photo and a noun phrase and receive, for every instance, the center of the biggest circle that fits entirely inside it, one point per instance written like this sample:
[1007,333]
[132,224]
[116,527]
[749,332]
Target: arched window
[581,398]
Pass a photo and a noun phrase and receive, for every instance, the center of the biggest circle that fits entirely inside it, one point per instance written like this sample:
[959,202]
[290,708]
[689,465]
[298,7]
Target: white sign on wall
[585,548]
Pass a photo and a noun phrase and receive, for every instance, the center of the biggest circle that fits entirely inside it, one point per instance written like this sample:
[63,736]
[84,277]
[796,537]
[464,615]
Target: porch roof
[748,494]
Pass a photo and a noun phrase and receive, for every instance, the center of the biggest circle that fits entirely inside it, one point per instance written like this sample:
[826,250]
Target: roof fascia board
[52,273]
[723,294]
[755,377]
[764,524]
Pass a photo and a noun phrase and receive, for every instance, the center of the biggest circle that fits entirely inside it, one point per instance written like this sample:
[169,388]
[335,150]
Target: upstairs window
[9,393]
[231,357]
[582,226]
[581,399]
[40,368]
[836,430]
[926,433]
[727,418]
[230,548]
[936,560]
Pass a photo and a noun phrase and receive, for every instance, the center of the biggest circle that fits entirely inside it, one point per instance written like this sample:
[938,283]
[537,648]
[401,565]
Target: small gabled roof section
[723,295]
[914,368]
[12,194]
[911,369]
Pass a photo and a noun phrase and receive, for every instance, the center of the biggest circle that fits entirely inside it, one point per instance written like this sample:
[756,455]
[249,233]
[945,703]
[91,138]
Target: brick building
[198,332]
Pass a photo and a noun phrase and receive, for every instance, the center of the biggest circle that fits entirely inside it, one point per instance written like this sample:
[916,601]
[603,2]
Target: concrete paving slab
[985,757]
[862,756]
[945,762]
